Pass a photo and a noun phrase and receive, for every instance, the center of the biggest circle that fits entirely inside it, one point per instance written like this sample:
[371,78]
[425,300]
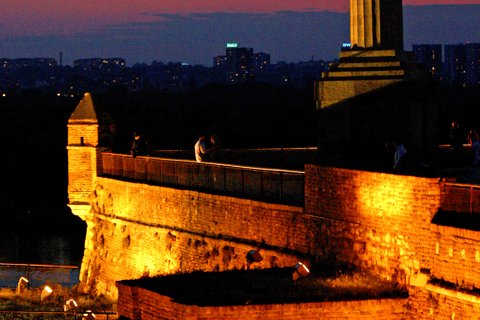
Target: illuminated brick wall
[138,303]
[86,133]
[84,164]
[84,157]
[379,222]
[142,230]
[390,220]
[389,216]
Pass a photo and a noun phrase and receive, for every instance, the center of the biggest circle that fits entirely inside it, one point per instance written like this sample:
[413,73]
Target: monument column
[371,95]
[376,24]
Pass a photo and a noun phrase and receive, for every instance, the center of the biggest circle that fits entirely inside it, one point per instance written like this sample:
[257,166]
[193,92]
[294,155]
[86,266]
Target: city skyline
[195,35]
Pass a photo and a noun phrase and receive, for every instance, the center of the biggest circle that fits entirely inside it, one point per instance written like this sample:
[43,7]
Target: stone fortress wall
[379,222]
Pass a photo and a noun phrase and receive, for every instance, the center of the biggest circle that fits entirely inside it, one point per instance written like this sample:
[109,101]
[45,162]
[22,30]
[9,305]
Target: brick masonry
[154,306]
[379,222]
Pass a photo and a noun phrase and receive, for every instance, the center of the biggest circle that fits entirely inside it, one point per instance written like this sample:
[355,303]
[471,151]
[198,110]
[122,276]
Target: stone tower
[90,132]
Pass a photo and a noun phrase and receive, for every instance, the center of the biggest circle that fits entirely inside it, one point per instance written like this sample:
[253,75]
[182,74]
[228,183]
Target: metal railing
[40,275]
[274,185]
[462,197]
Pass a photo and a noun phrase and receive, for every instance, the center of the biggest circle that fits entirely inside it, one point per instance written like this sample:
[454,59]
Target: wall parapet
[283,186]
[153,305]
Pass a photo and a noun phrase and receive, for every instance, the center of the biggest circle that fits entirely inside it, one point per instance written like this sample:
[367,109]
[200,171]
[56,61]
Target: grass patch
[270,286]
[30,300]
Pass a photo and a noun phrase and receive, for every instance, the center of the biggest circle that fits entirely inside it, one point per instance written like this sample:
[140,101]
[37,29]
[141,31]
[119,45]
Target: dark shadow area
[244,116]
[270,286]
[359,133]
[462,220]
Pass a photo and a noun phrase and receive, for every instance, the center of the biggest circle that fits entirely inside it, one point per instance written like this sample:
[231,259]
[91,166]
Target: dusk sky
[195,31]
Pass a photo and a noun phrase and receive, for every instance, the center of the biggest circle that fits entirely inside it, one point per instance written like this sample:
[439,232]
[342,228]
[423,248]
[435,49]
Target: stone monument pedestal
[370,98]
[362,71]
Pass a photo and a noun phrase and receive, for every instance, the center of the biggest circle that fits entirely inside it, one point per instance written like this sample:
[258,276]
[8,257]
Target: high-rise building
[261,62]
[239,63]
[429,55]
[462,63]
[473,63]
[455,63]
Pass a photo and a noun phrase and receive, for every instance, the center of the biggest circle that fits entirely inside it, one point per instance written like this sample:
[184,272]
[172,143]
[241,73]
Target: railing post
[135,169]
[148,169]
[243,181]
[161,171]
[224,179]
[471,203]
[281,186]
[123,166]
[261,184]
[176,173]
[303,190]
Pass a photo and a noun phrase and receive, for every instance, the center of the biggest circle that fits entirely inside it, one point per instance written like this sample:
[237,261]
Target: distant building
[346,47]
[429,55]
[462,63]
[220,62]
[111,64]
[473,63]
[28,62]
[261,62]
[455,63]
[239,63]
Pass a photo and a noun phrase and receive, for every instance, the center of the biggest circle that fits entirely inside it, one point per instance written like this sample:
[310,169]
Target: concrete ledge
[139,303]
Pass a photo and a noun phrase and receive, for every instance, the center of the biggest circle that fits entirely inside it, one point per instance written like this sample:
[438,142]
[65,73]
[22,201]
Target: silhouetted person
[139,146]
[200,149]
[474,141]
[456,141]
[215,149]
[400,151]
[388,156]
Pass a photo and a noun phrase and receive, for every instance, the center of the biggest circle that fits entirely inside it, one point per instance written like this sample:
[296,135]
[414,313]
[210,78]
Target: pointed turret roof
[89,110]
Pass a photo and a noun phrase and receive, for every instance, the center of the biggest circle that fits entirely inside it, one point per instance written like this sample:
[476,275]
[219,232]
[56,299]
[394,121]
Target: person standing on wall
[139,146]
[456,142]
[215,149]
[200,148]
[399,153]
[474,141]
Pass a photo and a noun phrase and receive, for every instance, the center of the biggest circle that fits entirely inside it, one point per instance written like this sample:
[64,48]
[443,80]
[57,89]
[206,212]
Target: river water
[37,242]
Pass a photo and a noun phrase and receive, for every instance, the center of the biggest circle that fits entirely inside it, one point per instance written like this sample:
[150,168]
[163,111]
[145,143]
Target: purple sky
[195,31]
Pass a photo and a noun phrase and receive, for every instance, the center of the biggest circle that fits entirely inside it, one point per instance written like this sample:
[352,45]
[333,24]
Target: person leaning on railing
[200,148]
[215,150]
[139,146]
[474,141]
